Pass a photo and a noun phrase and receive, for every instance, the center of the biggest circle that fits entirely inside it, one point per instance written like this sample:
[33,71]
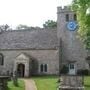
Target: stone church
[43,51]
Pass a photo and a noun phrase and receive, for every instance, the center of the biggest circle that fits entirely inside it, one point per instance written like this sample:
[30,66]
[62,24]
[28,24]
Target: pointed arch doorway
[21,70]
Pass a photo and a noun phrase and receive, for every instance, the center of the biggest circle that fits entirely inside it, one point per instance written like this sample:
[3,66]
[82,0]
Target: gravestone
[15,80]
[3,82]
[71,82]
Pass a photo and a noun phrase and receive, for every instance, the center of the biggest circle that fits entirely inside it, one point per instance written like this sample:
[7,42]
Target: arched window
[41,68]
[45,67]
[1,59]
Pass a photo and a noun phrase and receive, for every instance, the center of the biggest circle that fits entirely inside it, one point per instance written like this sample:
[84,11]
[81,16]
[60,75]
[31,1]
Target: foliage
[47,24]
[83,72]
[21,27]
[81,6]
[5,27]
[64,69]
[21,85]
[50,24]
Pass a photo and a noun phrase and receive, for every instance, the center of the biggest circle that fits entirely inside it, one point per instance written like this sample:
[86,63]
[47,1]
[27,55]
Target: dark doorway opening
[21,70]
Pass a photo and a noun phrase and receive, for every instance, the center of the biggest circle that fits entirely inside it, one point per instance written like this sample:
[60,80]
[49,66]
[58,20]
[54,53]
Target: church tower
[72,50]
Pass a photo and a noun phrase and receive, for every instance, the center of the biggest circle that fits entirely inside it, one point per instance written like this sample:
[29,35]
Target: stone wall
[49,57]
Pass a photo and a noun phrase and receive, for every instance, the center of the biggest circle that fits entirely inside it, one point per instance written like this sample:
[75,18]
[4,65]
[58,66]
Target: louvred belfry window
[1,59]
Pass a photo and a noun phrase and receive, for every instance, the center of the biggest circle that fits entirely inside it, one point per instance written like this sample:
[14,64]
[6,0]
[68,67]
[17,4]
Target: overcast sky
[29,12]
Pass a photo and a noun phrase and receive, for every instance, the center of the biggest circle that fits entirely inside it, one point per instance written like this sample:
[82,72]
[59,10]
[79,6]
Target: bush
[83,72]
[64,69]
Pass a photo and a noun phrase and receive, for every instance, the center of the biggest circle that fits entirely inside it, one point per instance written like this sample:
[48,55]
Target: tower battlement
[64,9]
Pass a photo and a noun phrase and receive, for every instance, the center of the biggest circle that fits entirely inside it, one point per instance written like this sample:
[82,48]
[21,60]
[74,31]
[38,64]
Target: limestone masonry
[43,51]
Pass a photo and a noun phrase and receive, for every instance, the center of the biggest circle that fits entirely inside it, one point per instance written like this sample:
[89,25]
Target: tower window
[1,59]
[67,17]
[75,17]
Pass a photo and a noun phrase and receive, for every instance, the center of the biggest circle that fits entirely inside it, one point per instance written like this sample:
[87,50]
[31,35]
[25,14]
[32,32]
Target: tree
[21,27]
[81,6]
[5,27]
[50,24]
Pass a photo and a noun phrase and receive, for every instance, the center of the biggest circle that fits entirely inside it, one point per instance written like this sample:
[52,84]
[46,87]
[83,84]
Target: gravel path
[30,84]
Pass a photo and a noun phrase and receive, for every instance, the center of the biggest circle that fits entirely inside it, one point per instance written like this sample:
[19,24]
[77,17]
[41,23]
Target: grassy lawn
[21,85]
[46,83]
[87,83]
[50,83]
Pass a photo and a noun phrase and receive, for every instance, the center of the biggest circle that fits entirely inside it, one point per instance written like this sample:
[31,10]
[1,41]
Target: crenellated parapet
[64,9]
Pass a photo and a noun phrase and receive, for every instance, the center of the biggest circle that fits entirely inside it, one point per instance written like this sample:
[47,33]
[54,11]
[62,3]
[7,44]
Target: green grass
[46,83]
[50,82]
[20,86]
[87,83]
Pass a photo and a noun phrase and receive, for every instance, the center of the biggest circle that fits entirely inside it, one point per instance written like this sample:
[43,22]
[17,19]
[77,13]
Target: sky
[29,12]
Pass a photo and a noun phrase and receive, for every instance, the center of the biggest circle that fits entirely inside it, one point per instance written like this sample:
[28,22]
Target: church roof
[29,39]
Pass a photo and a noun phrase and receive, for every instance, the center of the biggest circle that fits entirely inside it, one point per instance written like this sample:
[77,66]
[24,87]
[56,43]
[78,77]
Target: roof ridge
[23,30]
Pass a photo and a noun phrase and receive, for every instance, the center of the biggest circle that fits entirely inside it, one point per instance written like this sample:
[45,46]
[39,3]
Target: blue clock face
[71,26]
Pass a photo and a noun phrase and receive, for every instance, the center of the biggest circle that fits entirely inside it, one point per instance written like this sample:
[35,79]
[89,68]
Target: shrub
[64,69]
[83,72]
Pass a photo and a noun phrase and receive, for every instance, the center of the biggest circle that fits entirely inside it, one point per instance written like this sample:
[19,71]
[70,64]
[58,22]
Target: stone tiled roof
[29,39]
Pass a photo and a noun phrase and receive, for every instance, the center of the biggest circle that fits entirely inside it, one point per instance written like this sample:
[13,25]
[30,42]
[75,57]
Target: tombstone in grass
[3,82]
[69,80]
[11,76]
[15,79]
